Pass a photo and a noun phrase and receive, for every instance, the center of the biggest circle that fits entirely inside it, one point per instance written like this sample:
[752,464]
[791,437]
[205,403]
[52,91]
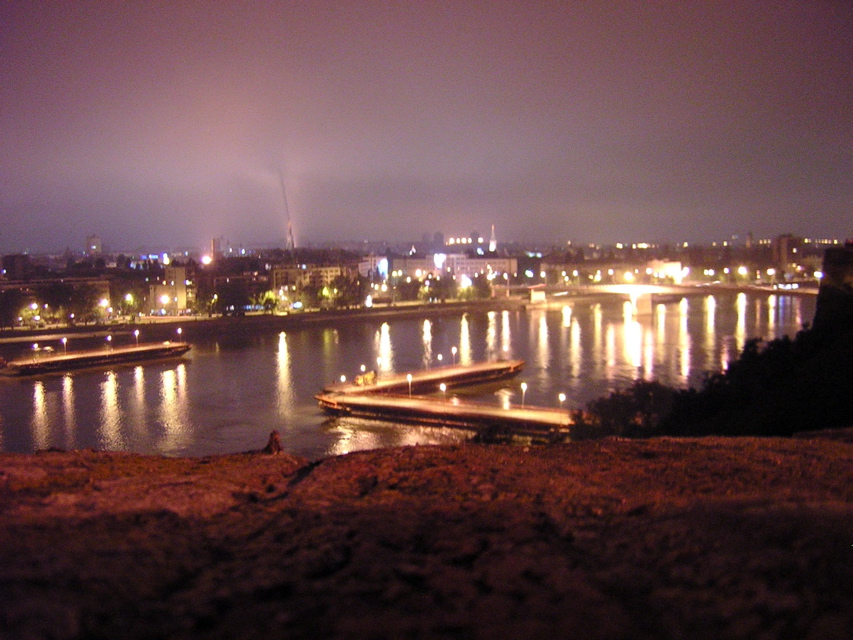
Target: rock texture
[664,538]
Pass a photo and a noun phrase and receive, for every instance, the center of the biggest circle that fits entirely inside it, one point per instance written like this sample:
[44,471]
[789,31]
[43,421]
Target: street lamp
[562,399]
[179,332]
[439,357]
[65,344]
[523,391]
[109,342]
[453,351]
[443,388]
[409,380]
[136,335]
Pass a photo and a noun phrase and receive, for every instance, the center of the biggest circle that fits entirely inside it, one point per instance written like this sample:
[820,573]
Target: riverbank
[165,328]
[662,538]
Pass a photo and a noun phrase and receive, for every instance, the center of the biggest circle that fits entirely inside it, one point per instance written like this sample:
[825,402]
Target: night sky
[164,124]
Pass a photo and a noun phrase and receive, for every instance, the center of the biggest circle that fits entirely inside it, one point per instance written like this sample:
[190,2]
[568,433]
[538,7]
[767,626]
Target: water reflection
[683,341]
[740,326]
[70,419]
[110,414]
[40,419]
[771,314]
[464,341]
[284,383]
[491,336]
[575,354]
[506,335]
[543,352]
[427,344]
[173,408]
[567,316]
[710,337]
[138,405]
[385,359]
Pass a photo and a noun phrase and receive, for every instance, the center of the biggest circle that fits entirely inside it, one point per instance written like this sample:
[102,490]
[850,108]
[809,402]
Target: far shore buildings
[437,265]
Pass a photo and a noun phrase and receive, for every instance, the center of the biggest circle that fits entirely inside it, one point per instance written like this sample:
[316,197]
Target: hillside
[659,538]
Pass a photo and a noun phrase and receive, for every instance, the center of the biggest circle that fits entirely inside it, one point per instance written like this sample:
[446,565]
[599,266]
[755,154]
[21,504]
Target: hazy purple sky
[168,123]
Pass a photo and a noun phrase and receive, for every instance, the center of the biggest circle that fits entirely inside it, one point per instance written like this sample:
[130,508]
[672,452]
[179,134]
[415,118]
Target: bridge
[644,296]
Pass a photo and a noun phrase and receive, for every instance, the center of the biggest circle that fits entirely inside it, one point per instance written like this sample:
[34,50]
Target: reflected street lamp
[523,391]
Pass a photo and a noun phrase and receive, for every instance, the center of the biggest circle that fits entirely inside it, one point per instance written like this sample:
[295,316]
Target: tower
[290,242]
[493,241]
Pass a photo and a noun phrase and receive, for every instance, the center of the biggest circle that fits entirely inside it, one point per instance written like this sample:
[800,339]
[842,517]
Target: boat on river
[60,362]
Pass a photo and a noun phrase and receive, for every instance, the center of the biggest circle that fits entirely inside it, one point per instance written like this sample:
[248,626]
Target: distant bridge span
[642,296]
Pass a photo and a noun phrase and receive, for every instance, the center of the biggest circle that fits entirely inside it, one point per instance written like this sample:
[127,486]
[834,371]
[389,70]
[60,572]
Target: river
[230,393]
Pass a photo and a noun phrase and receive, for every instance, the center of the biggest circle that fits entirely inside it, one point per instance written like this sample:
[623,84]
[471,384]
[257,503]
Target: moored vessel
[61,362]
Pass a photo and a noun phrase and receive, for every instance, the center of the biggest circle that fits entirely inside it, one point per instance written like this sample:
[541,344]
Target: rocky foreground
[664,538]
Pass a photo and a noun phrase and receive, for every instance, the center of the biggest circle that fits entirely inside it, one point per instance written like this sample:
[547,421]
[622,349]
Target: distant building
[785,250]
[307,275]
[216,248]
[93,245]
[16,266]
[176,293]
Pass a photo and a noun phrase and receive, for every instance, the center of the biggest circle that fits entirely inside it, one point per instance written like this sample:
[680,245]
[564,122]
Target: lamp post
[409,380]
[136,335]
[179,332]
[523,391]
[65,344]
[443,388]
[562,399]
[453,352]
[109,342]
[439,357]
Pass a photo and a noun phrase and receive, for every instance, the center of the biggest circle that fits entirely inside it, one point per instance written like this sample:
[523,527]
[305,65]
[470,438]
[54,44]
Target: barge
[429,380]
[530,421]
[61,362]
[391,398]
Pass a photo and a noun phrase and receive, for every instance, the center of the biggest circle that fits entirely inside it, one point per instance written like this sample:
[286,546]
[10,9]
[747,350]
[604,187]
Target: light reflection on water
[231,392]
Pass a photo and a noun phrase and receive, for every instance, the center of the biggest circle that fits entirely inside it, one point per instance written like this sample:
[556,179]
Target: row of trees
[61,302]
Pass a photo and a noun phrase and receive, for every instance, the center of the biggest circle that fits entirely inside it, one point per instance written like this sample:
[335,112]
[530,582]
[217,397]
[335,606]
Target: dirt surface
[663,538]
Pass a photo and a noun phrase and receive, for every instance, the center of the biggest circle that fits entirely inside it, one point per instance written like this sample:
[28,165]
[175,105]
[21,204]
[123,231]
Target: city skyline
[174,124]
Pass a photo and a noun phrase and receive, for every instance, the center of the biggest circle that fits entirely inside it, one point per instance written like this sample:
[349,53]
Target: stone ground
[661,538]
